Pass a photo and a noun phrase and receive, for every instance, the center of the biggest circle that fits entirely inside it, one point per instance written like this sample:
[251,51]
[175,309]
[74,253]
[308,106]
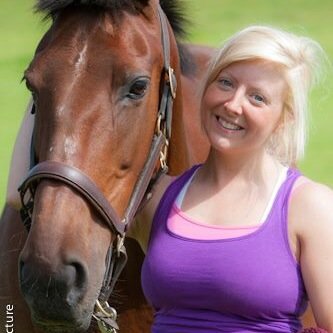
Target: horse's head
[97,79]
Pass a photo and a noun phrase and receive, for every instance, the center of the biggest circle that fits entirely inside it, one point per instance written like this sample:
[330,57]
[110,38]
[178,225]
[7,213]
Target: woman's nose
[235,104]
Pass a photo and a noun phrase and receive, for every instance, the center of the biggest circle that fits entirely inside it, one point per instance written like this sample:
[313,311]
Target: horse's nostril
[22,272]
[75,276]
[27,275]
[78,274]
[64,282]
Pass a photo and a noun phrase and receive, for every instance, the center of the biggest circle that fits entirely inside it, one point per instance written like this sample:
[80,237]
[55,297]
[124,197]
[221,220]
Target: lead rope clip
[106,317]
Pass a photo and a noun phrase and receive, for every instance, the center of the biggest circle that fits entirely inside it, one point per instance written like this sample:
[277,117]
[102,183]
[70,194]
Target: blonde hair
[301,60]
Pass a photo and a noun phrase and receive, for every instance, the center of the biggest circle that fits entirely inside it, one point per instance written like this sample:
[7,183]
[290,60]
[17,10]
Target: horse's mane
[173,9]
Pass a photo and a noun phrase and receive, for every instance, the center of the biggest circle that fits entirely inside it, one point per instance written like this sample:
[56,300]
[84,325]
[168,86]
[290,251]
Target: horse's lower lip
[60,327]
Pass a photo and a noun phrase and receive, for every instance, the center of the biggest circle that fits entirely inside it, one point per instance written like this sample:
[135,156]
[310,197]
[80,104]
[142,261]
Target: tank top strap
[287,187]
[278,216]
[282,197]
[168,198]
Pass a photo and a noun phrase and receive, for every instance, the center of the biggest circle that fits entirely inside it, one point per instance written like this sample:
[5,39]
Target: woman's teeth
[228,125]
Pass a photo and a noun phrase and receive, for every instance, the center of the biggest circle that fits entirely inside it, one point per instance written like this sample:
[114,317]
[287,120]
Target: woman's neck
[258,169]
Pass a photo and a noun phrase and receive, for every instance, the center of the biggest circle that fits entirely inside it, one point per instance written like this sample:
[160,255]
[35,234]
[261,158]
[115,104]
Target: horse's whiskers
[12,251]
[48,286]
[18,234]
[33,284]
[56,292]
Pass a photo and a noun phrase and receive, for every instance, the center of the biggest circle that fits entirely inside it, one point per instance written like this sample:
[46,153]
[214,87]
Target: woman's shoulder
[307,191]
[311,206]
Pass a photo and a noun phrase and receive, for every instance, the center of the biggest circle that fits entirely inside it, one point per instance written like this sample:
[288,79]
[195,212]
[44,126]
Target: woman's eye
[258,98]
[138,88]
[225,83]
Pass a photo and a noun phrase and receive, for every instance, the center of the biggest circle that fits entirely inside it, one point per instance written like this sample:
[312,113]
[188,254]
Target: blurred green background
[212,22]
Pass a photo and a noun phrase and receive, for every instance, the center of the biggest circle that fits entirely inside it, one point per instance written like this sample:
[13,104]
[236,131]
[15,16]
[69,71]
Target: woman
[239,243]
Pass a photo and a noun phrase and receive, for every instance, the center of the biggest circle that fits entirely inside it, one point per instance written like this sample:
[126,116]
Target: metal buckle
[120,244]
[164,155]
[172,82]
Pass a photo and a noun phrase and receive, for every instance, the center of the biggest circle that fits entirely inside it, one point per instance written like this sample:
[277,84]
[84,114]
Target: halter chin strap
[73,177]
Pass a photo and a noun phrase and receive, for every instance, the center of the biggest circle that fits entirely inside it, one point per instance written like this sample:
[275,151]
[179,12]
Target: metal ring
[111,313]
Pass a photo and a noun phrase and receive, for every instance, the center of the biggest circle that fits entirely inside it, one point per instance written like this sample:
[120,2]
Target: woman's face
[242,107]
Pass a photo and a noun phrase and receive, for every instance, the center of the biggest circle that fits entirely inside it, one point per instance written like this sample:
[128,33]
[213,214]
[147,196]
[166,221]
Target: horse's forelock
[51,7]
[173,9]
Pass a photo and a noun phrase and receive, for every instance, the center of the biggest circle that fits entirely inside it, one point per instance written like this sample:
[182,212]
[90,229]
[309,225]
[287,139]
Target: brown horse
[97,79]
[103,86]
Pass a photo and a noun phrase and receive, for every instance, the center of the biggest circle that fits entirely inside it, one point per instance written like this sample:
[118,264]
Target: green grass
[20,32]
[212,22]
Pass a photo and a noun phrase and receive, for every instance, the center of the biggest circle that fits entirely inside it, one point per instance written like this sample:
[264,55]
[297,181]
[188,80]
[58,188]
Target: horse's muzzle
[55,296]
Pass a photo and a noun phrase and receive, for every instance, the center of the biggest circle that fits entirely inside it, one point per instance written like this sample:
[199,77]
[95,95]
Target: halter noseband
[73,177]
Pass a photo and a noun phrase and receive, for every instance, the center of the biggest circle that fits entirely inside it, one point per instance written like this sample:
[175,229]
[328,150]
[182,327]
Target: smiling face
[243,106]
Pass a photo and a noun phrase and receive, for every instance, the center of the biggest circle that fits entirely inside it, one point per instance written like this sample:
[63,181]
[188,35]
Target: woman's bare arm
[311,212]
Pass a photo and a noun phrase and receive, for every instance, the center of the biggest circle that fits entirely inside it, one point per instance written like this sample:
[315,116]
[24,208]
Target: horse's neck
[197,143]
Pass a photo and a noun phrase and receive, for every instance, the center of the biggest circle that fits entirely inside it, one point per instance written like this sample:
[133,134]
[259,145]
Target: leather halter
[73,177]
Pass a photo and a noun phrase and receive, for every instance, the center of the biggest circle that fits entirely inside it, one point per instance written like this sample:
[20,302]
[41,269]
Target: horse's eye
[138,88]
[27,84]
[30,87]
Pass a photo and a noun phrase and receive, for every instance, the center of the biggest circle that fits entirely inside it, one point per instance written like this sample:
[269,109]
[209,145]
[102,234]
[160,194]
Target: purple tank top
[250,283]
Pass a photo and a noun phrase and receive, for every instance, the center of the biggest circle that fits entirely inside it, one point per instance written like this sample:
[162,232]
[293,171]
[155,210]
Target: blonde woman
[241,242]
